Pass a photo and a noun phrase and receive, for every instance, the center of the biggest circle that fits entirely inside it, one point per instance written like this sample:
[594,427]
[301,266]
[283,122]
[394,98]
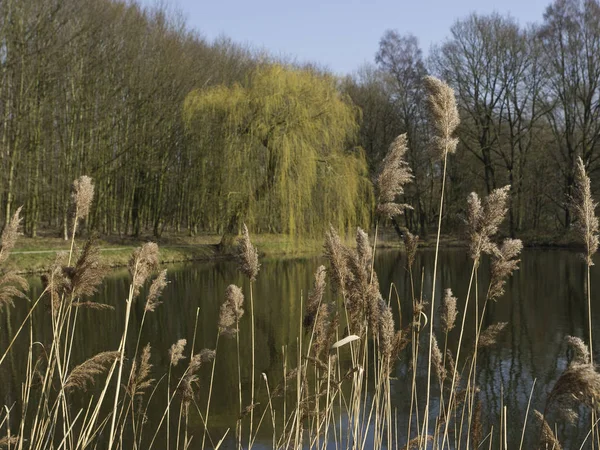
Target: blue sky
[340,35]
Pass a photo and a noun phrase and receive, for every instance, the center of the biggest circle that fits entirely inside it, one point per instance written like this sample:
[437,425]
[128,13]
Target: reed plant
[335,390]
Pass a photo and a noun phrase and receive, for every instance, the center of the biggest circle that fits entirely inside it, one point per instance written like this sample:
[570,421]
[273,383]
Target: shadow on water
[543,303]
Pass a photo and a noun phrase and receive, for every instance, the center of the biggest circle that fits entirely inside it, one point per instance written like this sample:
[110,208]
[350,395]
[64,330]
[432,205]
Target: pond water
[544,302]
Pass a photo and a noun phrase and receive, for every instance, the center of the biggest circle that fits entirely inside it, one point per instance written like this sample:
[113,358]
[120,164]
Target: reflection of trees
[544,302]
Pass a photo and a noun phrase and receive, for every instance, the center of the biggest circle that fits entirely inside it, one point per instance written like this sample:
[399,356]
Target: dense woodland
[185,135]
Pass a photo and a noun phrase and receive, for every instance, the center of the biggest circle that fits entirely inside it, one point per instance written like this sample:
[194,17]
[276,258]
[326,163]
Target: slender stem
[212,374]
[120,373]
[432,315]
[589,299]
[454,373]
[252,373]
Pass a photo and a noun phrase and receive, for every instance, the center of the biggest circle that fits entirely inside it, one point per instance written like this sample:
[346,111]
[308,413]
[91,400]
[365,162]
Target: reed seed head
[82,195]
[9,235]
[155,291]
[449,311]
[84,375]
[324,330]
[89,271]
[363,248]
[336,253]
[190,378]
[176,351]
[393,175]
[581,352]
[315,297]
[411,242]
[578,384]
[386,333]
[490,335]
[9,442]
[143,261]
[12,285]
[584,207]
[504,263]
[437,361]
[547,438]
[232,311]
[418,442]
[484,219]
[247,256]
[443,114]
[140,380]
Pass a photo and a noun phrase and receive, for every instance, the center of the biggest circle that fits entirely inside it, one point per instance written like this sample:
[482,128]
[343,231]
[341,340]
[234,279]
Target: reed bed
[337,390]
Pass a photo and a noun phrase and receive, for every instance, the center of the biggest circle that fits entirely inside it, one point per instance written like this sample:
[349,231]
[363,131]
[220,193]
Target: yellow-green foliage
[278,153]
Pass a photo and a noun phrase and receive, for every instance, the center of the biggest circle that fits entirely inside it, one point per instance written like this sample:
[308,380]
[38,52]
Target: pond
[544,302]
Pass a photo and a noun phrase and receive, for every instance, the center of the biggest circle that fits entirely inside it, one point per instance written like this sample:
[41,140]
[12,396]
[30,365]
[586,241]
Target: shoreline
[36,255]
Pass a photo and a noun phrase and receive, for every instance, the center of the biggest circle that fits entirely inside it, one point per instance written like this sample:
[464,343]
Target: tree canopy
[278,151]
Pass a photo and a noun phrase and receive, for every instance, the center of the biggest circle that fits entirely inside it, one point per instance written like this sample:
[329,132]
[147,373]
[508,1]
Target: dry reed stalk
[248,264]
[230,314]
[483,220]
[444,118]
[584,208]
[143,261]
[175,355]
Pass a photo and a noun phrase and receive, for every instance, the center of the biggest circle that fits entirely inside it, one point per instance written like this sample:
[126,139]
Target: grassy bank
[33,255]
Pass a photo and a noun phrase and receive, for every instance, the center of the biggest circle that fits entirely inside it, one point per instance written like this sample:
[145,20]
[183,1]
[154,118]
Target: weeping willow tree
[278,153]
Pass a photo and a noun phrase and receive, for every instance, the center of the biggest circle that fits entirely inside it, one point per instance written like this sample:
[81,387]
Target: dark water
[544,302]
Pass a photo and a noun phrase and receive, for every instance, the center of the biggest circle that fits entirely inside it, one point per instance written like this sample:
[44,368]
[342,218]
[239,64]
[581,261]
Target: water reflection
[544,302]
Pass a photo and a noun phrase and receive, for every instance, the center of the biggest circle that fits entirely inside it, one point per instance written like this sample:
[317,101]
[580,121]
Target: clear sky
[340,35]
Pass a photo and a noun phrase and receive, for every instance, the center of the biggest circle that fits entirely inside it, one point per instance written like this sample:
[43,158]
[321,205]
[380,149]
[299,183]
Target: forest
[185,135]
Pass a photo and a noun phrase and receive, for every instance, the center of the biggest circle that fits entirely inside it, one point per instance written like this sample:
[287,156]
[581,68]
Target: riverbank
[35,255]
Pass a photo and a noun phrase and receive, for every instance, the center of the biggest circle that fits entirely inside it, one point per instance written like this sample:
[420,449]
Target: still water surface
[543,303]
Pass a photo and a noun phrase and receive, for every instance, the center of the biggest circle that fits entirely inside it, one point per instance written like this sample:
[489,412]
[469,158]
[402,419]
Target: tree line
[529,101]
[185,135]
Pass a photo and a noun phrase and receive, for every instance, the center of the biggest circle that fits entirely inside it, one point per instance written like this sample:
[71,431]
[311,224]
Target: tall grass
[337,390]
